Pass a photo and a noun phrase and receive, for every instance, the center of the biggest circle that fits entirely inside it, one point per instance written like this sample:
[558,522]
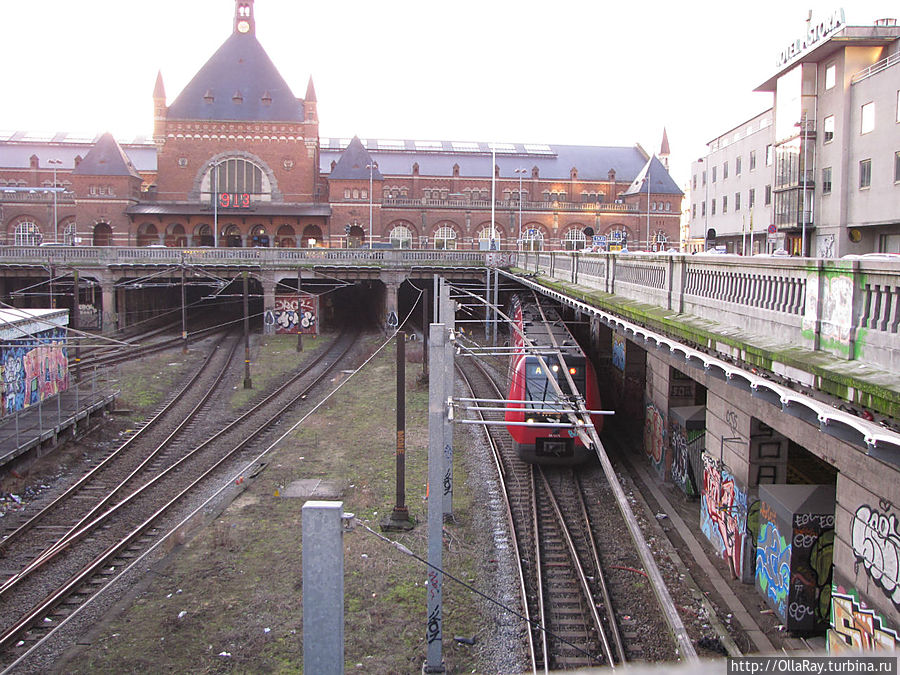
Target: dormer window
[208,96]
[238,97]
[266,98]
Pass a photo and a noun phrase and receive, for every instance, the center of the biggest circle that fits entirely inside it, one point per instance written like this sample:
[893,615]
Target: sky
[565,72]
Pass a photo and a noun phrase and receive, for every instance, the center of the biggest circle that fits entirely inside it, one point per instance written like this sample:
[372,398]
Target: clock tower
[243,17]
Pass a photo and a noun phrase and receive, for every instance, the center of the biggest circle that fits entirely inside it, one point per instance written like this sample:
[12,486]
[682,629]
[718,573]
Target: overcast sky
[567,72]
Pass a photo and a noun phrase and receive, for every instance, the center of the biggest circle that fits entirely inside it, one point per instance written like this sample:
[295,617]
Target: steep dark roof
[554,162]
[106,158]
[354,162]
[239,82]
[661,182]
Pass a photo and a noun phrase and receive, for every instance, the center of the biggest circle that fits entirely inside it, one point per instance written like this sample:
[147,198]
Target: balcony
[37,196]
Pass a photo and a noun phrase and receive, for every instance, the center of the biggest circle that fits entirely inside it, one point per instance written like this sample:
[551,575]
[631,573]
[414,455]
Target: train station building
[236,160]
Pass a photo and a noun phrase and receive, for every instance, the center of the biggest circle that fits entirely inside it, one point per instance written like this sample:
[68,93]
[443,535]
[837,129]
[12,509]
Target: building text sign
[816,30]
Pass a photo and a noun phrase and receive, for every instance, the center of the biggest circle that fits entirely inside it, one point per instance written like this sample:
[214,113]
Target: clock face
[243,26]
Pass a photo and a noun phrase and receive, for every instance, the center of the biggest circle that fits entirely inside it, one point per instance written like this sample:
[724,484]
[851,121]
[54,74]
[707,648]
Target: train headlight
[530,420]
[555,369]
[572,371]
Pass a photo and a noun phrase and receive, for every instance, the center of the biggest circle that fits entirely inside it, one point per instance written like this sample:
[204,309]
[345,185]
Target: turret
[159,112]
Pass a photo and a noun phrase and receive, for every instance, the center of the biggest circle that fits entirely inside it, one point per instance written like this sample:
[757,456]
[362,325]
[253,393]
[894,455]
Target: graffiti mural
[618,352]
[811,566]
[836,308]
[855,627]
[773,567]
[655,437]
[33,369]
[723,513]
[876,544]
[293,314]
[681,441]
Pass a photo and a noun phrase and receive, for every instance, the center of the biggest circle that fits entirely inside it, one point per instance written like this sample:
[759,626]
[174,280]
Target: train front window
[538,388]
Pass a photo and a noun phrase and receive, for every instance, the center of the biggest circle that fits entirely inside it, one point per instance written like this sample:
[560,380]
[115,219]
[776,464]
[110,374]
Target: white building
[818,172]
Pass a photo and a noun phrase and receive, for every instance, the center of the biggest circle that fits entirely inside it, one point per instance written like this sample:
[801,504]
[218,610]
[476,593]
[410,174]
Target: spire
[309,103]
[243,17]
[310,91]
[159,91]
[664,150]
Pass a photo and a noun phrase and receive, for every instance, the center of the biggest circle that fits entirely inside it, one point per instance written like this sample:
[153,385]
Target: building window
[826,180]
[714,174]
[724,170]
[693,210]
[574,240]
[704,177]
[830,73]
[236,176]
[737,201]
[752,160]
[713,207]
[445,238]
[702,208]
[694,182]
[751,198]
[898,105]
[401,237]
[737,166]
[865,173]
[725,204]
[768,199]
[897,167]
[770,154]
[828,128]
[27,234]
[867,118]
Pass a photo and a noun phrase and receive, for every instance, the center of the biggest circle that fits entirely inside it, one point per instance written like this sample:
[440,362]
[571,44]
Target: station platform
[37,429]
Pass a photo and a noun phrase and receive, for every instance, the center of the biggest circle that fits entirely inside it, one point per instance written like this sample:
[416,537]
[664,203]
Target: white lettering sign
[814,33]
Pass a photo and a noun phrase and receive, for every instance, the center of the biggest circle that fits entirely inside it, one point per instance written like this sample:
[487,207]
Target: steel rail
[100,561]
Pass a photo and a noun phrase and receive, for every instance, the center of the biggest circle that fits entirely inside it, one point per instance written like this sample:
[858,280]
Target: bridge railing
[847,308]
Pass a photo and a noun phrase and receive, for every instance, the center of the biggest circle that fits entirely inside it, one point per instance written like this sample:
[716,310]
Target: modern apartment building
[825,158]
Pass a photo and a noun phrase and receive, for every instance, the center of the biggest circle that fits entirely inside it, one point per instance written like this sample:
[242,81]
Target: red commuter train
[529,383]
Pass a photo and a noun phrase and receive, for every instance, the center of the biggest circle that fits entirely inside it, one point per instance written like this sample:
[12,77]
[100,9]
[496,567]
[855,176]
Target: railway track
[59,564]
[585,594]
[558,577]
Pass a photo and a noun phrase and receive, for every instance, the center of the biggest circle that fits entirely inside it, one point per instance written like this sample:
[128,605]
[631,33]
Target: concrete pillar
[110,315]
[323,588]
[268,284]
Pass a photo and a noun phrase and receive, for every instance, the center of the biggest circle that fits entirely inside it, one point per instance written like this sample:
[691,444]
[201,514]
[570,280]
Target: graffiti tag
[876,544]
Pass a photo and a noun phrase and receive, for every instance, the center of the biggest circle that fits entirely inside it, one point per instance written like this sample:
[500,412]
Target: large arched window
[574,240]
[533,239]
[489,238]
[27,234]
[236,176]
[445,238]
[401,237]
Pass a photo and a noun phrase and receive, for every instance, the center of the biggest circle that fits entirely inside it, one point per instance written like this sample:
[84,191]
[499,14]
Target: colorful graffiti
[618,352]
[773,567]
[655,437]
[876,544]
[33,369]
[682,470]
[723,513]
[293,314]
[855,627]
[813,547]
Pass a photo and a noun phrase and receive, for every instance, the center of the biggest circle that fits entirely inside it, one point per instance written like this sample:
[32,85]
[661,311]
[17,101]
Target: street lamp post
[371,168]
[214,178]
[55,163]
[647,182]
[521,172]
[705,205]
[804,209]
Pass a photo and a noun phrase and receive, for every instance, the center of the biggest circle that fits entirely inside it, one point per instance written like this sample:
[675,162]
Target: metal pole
[496,307]
[371,169]
[493,191]
[487,305]
[448,313]
[436,415]
[215,197]
[299,311]
[247,383]
[52,297]
[647,180]
[399,518]
[184,337]
[76,324]
[55,163]
[323,587]
[425,333]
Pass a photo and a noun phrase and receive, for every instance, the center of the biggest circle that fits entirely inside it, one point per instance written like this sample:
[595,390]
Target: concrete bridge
[746,375]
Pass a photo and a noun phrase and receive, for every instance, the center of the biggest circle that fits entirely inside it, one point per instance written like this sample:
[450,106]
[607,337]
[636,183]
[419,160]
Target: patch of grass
[239,581]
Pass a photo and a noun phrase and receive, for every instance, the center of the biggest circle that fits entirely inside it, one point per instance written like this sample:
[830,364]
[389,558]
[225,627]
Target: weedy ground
[231,598]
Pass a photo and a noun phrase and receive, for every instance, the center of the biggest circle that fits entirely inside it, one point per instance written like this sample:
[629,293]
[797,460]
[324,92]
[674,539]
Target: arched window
[236,175]
[401,237]
[69,234]
[489,239]
[27,234]
[103,235]
[574,240]
[532,239]
[445,238]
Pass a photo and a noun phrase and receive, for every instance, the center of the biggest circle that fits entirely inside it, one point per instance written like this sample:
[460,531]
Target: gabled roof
[106,158]
[239,82]
[437,158]
[661,182]
[354,163]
